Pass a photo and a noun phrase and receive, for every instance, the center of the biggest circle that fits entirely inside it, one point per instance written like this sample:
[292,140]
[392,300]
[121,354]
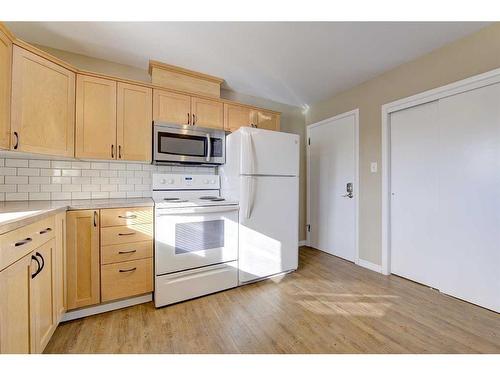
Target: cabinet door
[14,309]
[267,120]
[171,107]
[134,122]
[207,113]
[82,258]
[95,118]
[5,85]
[43,298]
[236,116]
[60,265]
[43,105]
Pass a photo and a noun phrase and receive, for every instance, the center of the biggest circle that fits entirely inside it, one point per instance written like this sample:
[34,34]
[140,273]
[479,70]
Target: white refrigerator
[262,173]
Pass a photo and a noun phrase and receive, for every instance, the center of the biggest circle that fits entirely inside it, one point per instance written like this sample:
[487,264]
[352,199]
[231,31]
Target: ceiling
[296,63]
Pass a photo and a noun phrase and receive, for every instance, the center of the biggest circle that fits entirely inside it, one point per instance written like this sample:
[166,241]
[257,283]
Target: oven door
[182,144]
[187,238]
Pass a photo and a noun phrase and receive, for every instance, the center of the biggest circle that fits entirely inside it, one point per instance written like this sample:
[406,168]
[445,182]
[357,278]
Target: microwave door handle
[209,147]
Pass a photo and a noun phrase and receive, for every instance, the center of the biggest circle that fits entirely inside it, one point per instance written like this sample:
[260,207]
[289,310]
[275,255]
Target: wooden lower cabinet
[126,279]
[15,307]
[82,258]
[60,266]
[43,314]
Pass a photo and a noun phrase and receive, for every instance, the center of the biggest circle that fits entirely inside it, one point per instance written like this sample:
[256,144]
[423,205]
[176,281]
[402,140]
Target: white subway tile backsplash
[90,173]
[50,172]
[61,180]
[8,188]
[28,172]
[18,163]
[61,164]
[39,180]
[39,196]
[57,196]
[17,180]
[33,179]
[71,172]
[28,188]
[16,196]
[81,195]
[4,171]
[39,163]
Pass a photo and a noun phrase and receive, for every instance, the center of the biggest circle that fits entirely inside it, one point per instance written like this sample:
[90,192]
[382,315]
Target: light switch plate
[373,167]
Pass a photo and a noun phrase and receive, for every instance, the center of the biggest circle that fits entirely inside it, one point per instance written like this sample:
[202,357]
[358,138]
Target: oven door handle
[194,210]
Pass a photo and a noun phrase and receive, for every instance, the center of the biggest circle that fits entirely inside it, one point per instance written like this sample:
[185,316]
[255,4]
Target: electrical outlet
[373,167]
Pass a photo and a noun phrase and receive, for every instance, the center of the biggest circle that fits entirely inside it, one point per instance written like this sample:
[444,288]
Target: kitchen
[155,210]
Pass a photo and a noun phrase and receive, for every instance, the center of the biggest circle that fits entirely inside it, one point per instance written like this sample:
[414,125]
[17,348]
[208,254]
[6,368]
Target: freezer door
[265,152]
[268,226]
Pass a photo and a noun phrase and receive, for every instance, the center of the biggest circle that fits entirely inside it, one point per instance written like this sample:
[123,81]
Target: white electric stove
[196,237]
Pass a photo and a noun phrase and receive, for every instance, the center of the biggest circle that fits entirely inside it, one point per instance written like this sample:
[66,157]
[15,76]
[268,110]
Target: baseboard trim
[88,311]
[369,265]
[303,243]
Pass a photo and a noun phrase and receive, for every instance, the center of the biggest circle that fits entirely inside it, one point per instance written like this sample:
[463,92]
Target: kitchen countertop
[17,214]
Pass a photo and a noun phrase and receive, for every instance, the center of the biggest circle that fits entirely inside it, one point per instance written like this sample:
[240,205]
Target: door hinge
[308,226]
[309,141]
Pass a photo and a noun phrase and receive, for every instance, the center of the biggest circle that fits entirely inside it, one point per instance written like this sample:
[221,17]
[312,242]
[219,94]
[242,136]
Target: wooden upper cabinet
[236,116]
[82,258]
[267,120]
[171,108]
[43,302]
[95,118]
[134,122]
[43,105]
[5,87]
[207,113]
[15,307]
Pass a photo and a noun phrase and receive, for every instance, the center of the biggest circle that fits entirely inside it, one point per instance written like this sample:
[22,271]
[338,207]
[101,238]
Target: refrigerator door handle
[250,153]
[250,197]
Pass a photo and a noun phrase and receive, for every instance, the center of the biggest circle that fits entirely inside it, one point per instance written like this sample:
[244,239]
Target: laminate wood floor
[328,306]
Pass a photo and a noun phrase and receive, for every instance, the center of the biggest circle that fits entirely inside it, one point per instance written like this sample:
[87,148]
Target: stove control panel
[164,181]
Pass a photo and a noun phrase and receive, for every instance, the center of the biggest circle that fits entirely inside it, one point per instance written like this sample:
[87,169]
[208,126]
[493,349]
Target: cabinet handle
[127,252]
[119,151]
[95,218]
[128,217]
[46,230]
[38,269]
[189,119]
[112,151]
[129,270]
[16,145]
[23,242]
[126,234]
[37,254]
[194,119]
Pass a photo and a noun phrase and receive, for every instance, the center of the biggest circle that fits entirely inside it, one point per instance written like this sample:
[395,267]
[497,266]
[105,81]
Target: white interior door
[445,201]
[332,166]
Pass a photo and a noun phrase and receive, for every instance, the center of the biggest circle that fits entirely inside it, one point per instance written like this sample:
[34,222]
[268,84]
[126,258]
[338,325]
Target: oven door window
[199,236]
[182,144]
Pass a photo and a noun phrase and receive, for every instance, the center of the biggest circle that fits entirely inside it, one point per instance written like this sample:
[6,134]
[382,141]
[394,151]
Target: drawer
[17,243]
[126,234]
[112,217]
[126,252]
[181,286]
[126,279]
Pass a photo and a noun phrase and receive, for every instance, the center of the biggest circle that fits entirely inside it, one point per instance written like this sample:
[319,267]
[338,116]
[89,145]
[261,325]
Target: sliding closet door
[414,193]
[469,199]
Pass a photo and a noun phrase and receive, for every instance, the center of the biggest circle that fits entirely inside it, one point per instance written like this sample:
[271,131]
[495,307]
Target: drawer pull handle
[129,270]
[23,242]
[46,230]
[128,217]
[127,252]
[37,254]
[126,234]
[38,268]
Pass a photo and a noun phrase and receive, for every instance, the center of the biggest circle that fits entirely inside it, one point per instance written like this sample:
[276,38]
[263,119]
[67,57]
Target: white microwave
[188,144]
